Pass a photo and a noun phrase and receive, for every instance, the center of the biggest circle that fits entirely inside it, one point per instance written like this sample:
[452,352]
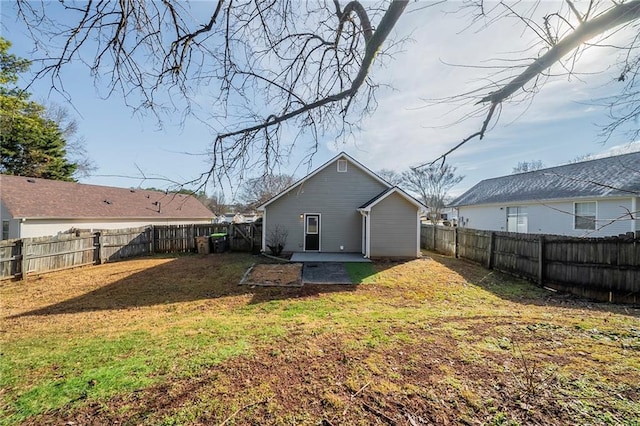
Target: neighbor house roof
[340,156]
[617,176]
[42,198]
[384,194]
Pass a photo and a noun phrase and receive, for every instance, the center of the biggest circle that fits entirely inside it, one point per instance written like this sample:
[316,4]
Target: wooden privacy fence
[605,269]
[21,257]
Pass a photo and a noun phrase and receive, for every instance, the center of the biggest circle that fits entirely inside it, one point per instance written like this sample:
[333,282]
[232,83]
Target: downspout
[264,230]
[419,232]
[366,225]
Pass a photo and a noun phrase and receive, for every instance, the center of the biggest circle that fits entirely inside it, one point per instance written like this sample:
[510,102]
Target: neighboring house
[593,198]
[238,217]
[448,217]
[31,207]
[344,207]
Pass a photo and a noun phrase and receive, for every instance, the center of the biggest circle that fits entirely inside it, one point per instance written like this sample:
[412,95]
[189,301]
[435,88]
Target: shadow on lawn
[183,279]
[522,291]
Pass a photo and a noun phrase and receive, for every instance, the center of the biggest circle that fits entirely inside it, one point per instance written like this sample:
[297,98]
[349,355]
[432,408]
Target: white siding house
[31,207]
[592,198]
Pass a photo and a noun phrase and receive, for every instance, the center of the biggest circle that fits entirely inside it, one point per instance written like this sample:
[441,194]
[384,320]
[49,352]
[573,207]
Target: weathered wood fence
[605,269]
[21,257]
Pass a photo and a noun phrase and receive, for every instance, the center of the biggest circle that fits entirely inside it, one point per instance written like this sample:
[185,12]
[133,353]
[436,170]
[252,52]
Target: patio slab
[325,273]
[315,257]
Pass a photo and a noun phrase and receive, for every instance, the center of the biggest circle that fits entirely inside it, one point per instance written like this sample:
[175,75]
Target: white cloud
[621,149]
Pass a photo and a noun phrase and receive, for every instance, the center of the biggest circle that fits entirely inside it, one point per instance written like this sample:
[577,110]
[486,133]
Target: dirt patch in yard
[274,275]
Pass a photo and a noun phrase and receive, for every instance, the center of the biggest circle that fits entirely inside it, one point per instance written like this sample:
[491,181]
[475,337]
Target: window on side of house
[342,166]
[517,219]
[584,216]
[5,229]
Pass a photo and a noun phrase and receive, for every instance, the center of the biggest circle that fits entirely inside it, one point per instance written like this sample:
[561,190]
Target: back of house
[343,207]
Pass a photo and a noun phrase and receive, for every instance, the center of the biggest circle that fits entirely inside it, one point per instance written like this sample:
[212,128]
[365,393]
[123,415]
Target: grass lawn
[170,341]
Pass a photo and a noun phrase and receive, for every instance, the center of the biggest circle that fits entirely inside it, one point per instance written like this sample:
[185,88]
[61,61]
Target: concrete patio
[315,257]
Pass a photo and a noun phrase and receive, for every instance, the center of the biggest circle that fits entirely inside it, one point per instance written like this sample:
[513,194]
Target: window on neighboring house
[517,220]
[584,215]
[5,229]
[342,166]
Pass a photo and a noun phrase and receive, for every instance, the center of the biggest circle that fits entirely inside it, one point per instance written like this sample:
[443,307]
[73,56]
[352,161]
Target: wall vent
[342,166]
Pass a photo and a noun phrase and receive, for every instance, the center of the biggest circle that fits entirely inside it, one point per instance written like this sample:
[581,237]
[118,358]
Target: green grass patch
[361,273]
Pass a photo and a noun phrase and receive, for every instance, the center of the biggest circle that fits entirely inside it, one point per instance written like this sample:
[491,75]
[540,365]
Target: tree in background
[528,166]
[258,190]
[308,64]
[215,203]
[75,144]
[431,184]
[31,144]
[391,176]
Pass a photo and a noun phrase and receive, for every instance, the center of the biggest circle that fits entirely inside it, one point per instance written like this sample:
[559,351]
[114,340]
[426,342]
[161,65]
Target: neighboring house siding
[45,227]
[14,224]
[555,217]
[336,196]
[393,228]
[489,218]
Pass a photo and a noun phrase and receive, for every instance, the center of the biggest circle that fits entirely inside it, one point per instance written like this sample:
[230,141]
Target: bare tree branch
[617,15]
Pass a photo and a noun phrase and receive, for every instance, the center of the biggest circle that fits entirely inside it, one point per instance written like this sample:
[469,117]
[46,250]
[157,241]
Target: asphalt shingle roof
[31,198]
[604,177]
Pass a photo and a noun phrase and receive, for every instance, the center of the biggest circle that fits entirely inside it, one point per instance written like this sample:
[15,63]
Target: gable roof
[342,155]
[43,198]
[617,176]
[384,194]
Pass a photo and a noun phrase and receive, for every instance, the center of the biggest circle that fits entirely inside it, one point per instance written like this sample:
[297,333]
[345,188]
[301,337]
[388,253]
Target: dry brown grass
[431,341]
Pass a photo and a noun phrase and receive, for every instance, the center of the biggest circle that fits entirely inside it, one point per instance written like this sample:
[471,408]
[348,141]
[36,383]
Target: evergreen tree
[30,144]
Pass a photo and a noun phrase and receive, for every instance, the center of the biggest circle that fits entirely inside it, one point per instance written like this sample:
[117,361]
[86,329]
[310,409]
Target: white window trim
[574,215]
[342,169]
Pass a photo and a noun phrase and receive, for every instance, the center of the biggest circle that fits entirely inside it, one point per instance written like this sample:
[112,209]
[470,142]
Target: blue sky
[560,124]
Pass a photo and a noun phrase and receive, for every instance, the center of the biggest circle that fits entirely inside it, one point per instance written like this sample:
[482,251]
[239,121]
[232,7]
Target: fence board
[63,251]
[10,258]
[601,268]
[117,244]
[445,240]
[45,254]
[474,245]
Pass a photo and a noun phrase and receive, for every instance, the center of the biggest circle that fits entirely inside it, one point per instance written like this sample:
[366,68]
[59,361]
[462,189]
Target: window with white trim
[342,166]
[517,219]
[584,216]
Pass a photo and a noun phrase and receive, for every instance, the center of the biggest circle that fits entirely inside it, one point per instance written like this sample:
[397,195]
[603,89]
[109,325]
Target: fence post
[101,251]
[491,247]
[434,238]
[455,242]
[541,260]
[150,238]
[97,248]
[156,245]
[20,257]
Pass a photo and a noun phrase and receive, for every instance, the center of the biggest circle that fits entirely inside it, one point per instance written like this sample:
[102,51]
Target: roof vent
[108,201]
[31,180]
